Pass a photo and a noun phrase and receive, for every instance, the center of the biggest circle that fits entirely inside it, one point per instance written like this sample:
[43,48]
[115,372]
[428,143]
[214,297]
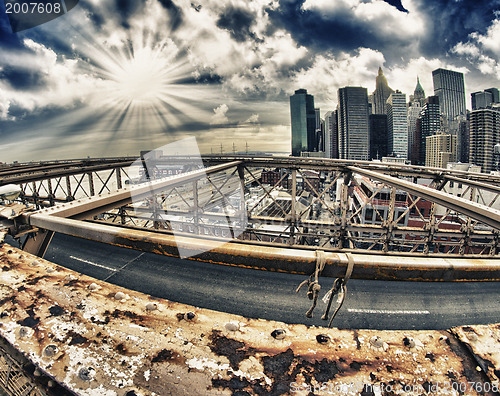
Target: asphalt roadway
[260,294]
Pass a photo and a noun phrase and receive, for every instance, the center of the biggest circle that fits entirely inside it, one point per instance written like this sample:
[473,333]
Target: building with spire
[418,94]
[381,94]
[417,101]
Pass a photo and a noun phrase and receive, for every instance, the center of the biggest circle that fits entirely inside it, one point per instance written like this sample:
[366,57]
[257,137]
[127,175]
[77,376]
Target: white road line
[91,263]
[387,312]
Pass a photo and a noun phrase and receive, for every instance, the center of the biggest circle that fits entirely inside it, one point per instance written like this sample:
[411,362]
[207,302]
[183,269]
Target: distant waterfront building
[428,124]
[440,149]
[484,135]
[331,135]
[354,139]
[381,94]
[378,136]
[449,86]
[303,120]
[397,125]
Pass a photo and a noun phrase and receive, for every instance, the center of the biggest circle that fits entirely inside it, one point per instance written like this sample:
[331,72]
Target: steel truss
[405,219]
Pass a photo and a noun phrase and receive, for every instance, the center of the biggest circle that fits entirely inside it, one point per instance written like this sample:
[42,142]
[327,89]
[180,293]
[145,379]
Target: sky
[114,77]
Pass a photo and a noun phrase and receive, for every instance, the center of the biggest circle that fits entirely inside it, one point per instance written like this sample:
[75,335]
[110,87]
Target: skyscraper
[414,110]
[418,94]
[440,149]
[381,94]
[428,124]
[496,94]
[378,136]
[481,100]
[331,135]
[484,135]
[354,140]
[397,125]
[303,117]
[449,86]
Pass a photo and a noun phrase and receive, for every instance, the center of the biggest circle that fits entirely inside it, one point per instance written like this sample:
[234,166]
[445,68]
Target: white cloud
[219,116]
[329,73]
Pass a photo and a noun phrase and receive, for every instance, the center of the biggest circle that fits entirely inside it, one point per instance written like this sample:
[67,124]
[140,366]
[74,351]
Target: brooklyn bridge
[313,219]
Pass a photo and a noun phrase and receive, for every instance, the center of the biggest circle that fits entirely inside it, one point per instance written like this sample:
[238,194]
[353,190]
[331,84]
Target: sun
[141,79]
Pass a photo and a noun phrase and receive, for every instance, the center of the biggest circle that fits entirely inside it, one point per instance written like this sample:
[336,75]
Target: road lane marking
[95,264]
[387,312]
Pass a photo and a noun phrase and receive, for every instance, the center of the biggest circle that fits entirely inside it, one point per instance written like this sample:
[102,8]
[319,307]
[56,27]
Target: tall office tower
[319,136]
[354,138]
[378,136]
[303,117]
[484,134]
[496,94]
[381,94]
[419,94]
[449,86]
[463,139]
[440,149]
[414,110]
[397,125]
[481,100]
[428,124]
[331,135]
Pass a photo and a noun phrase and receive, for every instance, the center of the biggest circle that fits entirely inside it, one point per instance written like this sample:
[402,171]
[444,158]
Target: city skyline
[113,78]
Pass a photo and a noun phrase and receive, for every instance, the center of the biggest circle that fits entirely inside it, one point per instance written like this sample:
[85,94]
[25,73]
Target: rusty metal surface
[99,339]
[484,343]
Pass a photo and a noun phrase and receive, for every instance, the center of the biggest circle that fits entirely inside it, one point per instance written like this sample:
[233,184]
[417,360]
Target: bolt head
[278,334]
[322,339]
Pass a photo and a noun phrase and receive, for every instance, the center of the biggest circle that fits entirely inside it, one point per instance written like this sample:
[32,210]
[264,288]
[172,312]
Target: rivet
[151,306]
[472,337]
[34,263]
[37,373]
[86,374]
[94,286]
[120,296]
[323,339]
[50,350]
[232,326]
[278,334]
[376,342]
[189,315]
[409,342]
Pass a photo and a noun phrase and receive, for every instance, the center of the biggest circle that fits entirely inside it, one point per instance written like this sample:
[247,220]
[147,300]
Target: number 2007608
[33,8]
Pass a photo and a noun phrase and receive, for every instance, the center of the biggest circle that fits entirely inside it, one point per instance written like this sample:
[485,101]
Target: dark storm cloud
[175,13]
[237,21]
[451,21]
[22,79]
[8,40]
[446,23]
[340,31]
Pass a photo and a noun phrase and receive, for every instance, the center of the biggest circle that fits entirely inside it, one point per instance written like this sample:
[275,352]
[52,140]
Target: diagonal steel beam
[474,210]
[87,208]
